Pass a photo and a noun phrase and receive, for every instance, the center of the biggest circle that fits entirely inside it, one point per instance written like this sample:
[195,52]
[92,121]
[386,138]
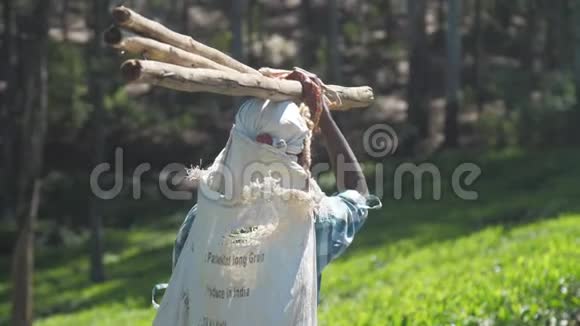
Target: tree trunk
[185,4]
[478,56]
[308,45]
[23,263]
[453,44]
[575,121]
[334,43]
[96,60]
[6,53]
[555,43]
[250,32]
[566,31]
[236,19]
[418,86]
[389,18]
[533,63]
[64,19]
[536,38]
[7,127]
[33,118]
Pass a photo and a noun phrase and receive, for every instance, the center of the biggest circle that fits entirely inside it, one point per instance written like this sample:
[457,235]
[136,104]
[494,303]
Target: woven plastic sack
[250,256]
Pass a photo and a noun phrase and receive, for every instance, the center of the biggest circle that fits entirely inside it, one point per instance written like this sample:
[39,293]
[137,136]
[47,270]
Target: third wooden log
[233,84]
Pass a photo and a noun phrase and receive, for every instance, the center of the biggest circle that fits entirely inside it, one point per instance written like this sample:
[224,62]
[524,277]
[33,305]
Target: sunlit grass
[526,274]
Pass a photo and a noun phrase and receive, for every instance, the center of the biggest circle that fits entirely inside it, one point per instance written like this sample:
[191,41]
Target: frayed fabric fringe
[267,189]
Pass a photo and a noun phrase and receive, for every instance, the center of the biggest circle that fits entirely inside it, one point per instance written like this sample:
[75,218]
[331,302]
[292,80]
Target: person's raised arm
[346,168]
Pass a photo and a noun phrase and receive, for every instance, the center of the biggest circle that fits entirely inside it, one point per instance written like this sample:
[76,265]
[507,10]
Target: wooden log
[352,97]
[233,84]
[155,50]
[134,22]
[158,51]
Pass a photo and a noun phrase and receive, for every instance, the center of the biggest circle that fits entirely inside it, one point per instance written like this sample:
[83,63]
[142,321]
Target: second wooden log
[155,50]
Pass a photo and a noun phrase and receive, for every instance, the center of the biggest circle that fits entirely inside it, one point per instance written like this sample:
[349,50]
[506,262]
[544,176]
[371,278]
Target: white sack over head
[281,120]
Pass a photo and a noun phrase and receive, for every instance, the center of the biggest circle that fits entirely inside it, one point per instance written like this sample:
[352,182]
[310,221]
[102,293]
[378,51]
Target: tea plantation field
[511,257]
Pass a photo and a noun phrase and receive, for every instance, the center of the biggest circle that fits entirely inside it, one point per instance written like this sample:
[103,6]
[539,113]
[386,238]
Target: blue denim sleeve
[183,233]
[339,218]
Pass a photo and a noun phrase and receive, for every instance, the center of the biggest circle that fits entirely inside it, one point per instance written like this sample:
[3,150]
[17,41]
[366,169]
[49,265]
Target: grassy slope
[511,256]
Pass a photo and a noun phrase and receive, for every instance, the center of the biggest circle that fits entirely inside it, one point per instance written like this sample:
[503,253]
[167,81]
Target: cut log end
[370,93]
[121,15]
[113,36]
[131,70]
